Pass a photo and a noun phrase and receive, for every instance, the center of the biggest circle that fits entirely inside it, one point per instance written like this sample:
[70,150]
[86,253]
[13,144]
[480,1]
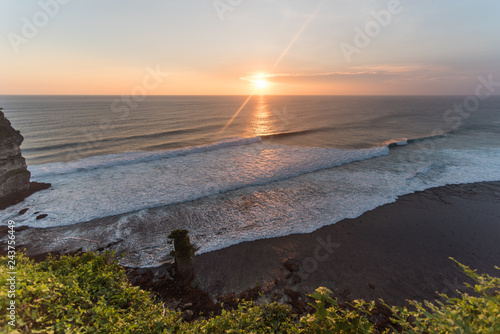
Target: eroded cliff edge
[15,183]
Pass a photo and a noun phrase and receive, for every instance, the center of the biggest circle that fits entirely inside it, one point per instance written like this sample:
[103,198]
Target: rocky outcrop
[14,175]
[183,253]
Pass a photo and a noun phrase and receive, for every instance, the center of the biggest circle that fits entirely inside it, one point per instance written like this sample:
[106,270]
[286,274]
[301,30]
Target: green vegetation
[183,249]
[90,293]
[183,254]
[79,294]
[466,314]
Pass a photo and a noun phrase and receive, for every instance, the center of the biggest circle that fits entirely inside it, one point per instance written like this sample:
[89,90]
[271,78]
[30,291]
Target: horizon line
[241,95]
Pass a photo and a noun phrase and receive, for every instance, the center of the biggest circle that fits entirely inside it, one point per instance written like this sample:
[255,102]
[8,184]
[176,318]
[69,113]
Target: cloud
[400,72]
[308,75]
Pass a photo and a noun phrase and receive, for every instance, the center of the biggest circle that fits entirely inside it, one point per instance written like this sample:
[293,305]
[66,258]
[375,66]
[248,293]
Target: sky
[239,47]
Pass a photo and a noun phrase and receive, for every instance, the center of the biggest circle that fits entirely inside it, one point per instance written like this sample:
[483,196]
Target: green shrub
[90,293]
[80,294]
[248,318]
[337,319]
[183,249]
[466,314]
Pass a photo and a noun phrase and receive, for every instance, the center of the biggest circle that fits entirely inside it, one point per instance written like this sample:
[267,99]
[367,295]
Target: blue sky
[225,46]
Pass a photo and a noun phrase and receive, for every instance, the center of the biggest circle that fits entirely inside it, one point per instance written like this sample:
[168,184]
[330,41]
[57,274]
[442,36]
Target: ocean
[231,172]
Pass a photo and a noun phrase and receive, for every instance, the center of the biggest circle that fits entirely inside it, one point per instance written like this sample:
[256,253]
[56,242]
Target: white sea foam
[310,194]
[347,191]
[109,185]
[279,190]
[129,158]
[396,142]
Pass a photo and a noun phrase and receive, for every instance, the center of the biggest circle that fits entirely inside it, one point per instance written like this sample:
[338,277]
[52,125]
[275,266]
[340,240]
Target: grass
[90,293]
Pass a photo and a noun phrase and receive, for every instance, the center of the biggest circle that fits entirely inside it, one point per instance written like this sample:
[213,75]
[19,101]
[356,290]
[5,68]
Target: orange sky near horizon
[129,82]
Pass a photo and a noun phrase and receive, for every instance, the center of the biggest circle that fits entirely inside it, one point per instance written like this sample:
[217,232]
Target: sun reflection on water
[262,123]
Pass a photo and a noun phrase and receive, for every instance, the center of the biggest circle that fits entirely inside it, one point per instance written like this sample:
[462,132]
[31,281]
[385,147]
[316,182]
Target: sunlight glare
[260,83]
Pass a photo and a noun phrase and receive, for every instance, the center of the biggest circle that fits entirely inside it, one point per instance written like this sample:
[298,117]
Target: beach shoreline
[396,252]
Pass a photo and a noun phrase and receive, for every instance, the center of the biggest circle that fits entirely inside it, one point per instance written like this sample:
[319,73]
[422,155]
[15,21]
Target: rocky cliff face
[14,175]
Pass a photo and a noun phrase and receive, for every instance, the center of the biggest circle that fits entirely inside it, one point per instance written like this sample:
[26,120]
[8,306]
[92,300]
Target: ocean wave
[420,171]
[420,139]
[128,158]
[74,144]
[394,142]
[293,133]
[299,204]
[321,129]
[116,184]
[109,185]
[391,143]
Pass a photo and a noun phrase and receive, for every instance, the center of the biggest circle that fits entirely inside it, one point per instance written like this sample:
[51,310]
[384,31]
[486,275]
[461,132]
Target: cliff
[14,176]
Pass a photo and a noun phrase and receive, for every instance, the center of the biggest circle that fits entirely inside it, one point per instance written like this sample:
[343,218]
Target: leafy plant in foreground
[90,293]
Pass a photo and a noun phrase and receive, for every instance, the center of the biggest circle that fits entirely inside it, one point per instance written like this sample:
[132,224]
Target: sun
[261,83]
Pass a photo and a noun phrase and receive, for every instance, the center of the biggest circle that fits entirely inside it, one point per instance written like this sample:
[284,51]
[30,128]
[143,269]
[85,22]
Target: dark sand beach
[398,251]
